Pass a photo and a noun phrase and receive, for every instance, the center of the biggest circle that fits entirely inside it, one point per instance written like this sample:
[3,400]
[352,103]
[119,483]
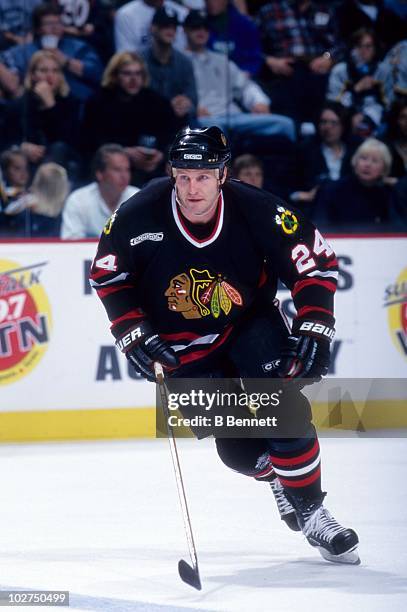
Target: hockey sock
[249,456]
[297,464]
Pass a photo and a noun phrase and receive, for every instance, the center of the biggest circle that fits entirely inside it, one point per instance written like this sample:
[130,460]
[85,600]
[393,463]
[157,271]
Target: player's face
[116,174]
[369,166]
[197,193]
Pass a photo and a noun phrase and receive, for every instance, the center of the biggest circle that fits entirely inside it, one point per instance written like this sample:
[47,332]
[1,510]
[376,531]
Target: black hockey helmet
[196,148]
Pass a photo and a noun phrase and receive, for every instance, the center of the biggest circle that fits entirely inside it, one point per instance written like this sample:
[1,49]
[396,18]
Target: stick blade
[189,575]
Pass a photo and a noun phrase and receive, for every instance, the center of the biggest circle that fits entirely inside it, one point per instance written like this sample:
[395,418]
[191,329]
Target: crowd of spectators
[311,93]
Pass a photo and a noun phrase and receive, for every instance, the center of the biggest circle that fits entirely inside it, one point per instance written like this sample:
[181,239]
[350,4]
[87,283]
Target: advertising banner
[56,351]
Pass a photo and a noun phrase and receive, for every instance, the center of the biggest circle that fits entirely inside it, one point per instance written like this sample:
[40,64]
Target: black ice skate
[286,510]
[334,542]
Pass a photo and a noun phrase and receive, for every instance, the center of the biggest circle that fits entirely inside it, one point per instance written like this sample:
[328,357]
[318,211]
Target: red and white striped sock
[299,470]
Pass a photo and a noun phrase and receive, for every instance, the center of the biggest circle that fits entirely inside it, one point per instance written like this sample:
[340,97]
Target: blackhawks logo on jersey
[287,220]
[198,293]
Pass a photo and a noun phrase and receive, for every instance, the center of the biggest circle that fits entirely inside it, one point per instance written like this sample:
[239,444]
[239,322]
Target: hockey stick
[188,573]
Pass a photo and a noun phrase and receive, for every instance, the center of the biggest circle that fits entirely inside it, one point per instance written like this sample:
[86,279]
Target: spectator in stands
[43,120]
[362,201]
[393,72]
[396,137]
[234,35]
[400,190]
[224,90]
[355,83]
[9,83]
[15,171]
[92,21]
[127,111]
[15,22]
[398,7]
[171,72]
[299,42]
[14,180]
[81,65]
[87,209]
[352,15]
[249,169]
[325,156]
[37,214]
[133,21]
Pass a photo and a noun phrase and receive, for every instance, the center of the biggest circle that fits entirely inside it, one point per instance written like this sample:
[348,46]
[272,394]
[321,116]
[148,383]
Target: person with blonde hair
[80,62]
[127,112]
[43,121]
[38,212]
[362,201]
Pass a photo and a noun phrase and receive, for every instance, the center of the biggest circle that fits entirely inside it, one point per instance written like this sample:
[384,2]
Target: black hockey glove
[143,347]
[306,354]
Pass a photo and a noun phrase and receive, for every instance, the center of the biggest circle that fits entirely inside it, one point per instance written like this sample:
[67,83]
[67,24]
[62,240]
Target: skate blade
[350,557]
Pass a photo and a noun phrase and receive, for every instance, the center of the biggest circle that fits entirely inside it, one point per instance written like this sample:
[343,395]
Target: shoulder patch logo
[287,220]
[108,227]
[153,236]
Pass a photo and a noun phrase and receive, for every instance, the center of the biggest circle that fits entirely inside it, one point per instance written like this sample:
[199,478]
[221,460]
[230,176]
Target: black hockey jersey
[195,290]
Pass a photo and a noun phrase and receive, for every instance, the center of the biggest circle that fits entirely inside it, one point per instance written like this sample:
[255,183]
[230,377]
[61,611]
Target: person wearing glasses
[128,112]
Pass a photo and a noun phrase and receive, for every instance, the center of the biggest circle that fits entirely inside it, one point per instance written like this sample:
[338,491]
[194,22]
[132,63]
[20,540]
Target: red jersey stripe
[203,352]
[105,291]
[312,281]
[133,314]
[180,336]
[279,461]
[306,309]
[332,264]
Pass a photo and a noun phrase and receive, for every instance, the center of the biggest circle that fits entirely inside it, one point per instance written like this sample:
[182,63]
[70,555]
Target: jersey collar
[184,230]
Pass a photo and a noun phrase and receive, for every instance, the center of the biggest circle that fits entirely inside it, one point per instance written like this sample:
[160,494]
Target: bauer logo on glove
[143,347]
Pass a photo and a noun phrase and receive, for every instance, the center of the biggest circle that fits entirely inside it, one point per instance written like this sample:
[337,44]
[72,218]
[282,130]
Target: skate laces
[322,524]
[283,505]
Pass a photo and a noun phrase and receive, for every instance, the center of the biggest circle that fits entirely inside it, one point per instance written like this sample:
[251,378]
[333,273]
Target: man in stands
[88,208]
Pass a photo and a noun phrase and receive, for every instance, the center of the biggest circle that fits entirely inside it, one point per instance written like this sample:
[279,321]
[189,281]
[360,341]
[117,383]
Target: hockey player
[187,269]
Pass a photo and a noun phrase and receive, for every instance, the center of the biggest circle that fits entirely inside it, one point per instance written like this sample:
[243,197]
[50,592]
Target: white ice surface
[102,520]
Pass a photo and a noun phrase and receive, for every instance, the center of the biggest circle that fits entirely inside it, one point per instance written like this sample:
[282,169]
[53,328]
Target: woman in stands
[43,121]
[363,201]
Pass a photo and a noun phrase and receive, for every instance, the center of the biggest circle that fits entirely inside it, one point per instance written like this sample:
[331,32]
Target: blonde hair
[50,188]
[372,144]
[117,63]
[39,56]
